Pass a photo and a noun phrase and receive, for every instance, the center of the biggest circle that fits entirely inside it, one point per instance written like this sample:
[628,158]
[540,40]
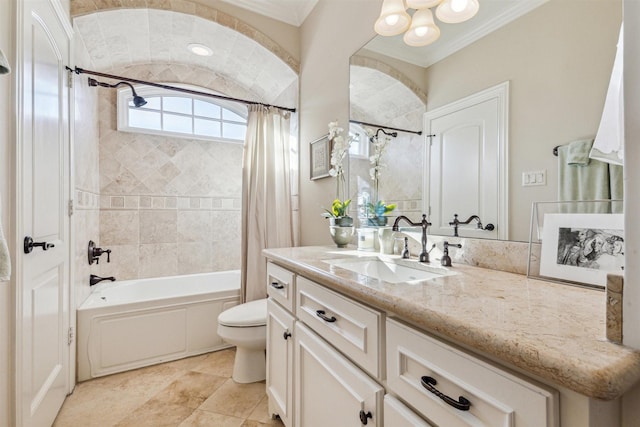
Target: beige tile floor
[193,392]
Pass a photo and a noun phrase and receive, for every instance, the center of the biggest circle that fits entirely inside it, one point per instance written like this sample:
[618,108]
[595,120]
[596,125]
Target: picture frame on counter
[582,248]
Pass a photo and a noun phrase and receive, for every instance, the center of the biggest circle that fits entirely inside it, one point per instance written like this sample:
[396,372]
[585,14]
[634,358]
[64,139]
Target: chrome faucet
[93,279]
[424,255]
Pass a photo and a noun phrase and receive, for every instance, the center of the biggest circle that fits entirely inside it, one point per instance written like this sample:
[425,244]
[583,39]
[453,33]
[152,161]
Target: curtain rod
[79,70]
[417,132]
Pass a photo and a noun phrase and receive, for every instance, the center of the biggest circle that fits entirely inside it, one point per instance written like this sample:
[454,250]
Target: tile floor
[193,392]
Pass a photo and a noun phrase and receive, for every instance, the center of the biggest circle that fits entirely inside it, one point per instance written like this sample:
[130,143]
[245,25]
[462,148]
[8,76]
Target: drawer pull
[321,314]
[461,404]
[286,335]
[364,417]
[277,285]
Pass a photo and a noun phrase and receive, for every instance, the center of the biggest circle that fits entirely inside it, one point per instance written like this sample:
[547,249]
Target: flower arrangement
[338,214]
[339,150]
[378,208]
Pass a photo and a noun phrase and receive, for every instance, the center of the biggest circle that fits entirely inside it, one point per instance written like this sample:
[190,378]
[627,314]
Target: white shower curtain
[266,195]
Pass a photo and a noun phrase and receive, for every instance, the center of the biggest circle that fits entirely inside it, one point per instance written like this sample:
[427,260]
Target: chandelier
[420,29]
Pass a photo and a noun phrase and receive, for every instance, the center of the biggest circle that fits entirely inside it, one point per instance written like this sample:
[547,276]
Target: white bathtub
[133,323]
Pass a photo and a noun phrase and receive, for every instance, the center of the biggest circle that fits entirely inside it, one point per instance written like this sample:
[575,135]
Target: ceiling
[492,15]
[292,12]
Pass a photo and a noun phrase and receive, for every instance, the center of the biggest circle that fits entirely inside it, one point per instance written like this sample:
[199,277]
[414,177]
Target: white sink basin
[387,271]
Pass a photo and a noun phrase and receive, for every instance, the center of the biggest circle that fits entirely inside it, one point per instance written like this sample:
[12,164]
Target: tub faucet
[424,254]
[93,279]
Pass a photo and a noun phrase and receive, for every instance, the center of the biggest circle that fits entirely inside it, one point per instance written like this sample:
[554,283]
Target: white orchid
[339,150]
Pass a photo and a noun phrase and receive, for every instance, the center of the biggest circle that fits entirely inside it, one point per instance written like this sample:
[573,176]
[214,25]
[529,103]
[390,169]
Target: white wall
[558,68]
[333,32]
[7,42]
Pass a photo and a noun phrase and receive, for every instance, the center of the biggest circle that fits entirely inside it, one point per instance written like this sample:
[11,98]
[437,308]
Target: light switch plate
[532,178]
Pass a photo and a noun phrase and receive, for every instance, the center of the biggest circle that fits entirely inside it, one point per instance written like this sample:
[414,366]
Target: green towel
[587,180]
[578,152]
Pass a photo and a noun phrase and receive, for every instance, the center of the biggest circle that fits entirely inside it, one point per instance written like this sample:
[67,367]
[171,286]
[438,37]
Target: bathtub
[129,324]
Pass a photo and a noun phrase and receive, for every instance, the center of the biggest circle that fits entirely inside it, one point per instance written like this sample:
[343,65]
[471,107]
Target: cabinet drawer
[396,414]
[497,398]
[281,285]
[351,327]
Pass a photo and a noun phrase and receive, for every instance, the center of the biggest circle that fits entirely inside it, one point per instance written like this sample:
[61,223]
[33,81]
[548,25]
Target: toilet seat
[249,314]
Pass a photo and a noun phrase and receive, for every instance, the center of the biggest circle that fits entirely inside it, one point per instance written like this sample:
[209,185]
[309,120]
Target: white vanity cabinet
[331,390]
[328,356]
[455,389]
[280,347]
[280,324]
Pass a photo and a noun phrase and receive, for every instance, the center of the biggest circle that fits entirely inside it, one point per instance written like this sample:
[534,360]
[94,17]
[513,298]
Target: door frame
[18,184]
[500,92]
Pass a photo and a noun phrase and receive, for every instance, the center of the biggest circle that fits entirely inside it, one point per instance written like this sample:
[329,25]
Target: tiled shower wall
[168,206]
[86,217]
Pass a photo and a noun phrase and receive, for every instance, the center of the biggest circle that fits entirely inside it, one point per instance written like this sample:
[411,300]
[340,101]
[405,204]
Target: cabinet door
[280,362]
[330,390]
[396,414]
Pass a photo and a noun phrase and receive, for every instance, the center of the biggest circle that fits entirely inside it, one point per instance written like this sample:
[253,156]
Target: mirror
[557,58]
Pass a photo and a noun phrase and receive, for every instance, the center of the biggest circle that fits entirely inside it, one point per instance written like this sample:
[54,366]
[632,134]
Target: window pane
[206,128]
[144,119]
[177,104]
[173,123]
[206,109]
[234,131]
[230,115]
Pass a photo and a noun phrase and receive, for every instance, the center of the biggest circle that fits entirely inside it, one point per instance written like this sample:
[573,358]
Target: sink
[387,270]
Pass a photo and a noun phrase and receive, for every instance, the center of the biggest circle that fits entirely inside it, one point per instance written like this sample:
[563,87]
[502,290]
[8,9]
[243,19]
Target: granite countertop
[554,331]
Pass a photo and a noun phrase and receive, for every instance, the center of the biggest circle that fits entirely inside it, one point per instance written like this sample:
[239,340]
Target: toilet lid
[249,314]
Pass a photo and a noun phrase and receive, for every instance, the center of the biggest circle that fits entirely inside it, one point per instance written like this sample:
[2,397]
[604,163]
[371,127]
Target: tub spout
[93,279]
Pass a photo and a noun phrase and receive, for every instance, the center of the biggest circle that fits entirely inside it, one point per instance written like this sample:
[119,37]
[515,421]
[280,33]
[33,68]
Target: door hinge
[70,335]
[70,207]
[70,80]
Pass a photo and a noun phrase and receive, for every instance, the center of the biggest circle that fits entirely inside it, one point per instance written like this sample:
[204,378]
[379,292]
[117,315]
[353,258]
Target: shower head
[138,101]
[393,134]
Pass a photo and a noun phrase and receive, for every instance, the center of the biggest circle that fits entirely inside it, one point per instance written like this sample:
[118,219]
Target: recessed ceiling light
[199,49]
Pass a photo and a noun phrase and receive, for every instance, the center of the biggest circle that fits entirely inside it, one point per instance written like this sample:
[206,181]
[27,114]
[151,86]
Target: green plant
[380,208]
[338,209]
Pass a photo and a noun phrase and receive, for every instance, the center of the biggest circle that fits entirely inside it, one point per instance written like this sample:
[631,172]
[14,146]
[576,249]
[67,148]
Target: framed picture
[320,154]
[582,248]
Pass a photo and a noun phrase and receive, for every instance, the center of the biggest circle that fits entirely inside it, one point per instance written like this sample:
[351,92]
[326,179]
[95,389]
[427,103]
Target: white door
[43,196]
[467,164]
[330,390]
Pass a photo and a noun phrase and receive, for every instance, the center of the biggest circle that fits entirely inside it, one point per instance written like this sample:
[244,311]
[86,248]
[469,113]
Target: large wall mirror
[557,58]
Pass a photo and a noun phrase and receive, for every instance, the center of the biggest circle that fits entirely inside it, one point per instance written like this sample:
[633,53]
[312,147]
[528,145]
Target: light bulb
[392,19]
[459,5]
[421,31]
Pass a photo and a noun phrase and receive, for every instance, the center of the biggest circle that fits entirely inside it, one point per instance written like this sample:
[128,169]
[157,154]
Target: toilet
[245,326]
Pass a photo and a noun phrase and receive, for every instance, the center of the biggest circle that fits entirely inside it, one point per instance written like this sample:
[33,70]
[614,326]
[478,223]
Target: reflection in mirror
[558,68]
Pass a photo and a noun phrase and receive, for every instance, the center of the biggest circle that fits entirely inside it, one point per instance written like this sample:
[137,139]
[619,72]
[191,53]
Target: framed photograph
[582,248]
[320,155]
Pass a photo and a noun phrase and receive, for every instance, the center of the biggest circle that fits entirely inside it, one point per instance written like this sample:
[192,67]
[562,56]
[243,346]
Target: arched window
[184,115]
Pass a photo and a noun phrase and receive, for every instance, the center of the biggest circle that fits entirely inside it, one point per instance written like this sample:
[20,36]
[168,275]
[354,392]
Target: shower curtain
[266,195]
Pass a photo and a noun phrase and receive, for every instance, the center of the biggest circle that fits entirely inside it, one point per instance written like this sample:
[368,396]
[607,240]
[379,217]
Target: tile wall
[168,206]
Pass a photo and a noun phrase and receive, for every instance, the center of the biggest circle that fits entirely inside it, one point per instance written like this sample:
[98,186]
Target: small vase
[377,221]
[341,235]
[343,221]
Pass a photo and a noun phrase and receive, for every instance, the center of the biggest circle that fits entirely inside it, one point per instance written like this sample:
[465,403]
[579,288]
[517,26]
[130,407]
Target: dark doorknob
[29,244]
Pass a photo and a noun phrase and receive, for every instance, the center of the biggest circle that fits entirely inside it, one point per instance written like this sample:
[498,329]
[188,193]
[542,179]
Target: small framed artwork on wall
[582,248]
[320,154]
